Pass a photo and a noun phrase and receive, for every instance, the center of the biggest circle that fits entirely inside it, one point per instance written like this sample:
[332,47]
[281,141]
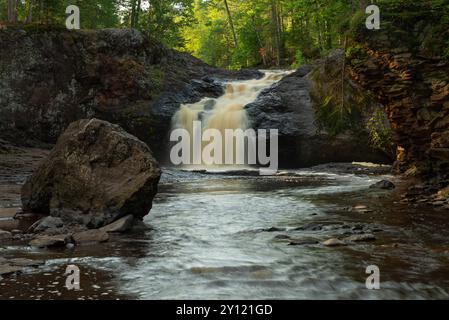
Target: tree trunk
[363,5]
[30,12]
[275,32]
[12,11]
[133,14]
[343,72]
[136,19]
[231,23]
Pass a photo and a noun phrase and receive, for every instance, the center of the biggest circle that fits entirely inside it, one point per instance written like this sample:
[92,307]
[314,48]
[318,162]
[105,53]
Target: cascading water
[227,111]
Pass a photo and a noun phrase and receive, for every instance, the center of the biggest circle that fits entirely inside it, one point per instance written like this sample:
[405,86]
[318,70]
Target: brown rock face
[396,64]
[96,174]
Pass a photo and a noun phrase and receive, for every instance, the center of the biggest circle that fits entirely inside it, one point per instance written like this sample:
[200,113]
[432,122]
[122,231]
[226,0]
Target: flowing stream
[221,114]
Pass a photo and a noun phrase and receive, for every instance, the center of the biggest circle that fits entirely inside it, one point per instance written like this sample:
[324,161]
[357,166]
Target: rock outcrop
[288,106]
[96,174]
[403,65]
[51,77]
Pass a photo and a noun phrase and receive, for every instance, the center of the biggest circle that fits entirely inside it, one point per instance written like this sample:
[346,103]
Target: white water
[227,111]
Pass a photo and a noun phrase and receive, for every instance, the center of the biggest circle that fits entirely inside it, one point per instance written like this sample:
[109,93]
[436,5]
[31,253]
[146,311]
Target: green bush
[381,135]
[299,59]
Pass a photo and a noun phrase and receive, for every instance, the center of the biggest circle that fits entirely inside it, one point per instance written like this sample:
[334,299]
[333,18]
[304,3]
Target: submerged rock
[122,225]
[90,237]
[96,174]
[46,241]
[303,242]
[384,185]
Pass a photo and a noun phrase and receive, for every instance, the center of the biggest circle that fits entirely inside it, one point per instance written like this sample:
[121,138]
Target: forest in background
[228,33]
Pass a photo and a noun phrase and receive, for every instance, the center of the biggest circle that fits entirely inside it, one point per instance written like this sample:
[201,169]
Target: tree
[231,23]
[29,18]
[12,11]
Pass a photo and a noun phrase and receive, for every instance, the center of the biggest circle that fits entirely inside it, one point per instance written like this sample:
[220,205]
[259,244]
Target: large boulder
[96,174]
[288,107]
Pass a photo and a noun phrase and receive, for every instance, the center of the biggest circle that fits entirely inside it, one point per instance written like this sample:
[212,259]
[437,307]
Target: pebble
[334,242]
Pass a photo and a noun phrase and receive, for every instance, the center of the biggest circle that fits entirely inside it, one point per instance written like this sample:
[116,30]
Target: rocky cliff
[403,64]
[289,106]
[52,77]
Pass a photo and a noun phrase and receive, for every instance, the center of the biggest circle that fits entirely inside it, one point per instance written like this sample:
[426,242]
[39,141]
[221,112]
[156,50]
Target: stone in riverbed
[383,185]
[96,174]
[5,235]
[90,237]
[122,225]
[23,262]
[334,242]
[361,238]
[7,270]
[50,241]
[303,242]
[50,224]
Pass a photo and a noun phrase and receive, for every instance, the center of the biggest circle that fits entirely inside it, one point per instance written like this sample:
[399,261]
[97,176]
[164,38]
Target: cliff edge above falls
[51,77]
[404,65]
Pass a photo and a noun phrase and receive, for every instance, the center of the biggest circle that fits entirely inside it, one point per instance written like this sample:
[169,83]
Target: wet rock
[51,224]
[7,270]
[282,238]
[96,174]
[273,229]
[22,262]
[383,185]
[90,237]
[45,241]
[303,242]
[334,242]
[16,232]
[310,227]
[122,225]
[361,238]
[5,235]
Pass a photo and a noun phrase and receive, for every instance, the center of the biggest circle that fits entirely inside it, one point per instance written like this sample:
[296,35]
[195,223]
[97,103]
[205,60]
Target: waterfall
[227,111]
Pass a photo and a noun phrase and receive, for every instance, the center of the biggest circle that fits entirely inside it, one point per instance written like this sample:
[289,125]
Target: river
[220,236]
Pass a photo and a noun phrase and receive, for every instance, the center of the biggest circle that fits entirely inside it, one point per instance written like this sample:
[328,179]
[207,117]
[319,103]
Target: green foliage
[339,104]
[165,20]
[269,32]
[299,59]
[381,136]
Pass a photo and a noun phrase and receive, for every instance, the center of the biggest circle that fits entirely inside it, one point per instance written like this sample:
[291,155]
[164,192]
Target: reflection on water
[227,237]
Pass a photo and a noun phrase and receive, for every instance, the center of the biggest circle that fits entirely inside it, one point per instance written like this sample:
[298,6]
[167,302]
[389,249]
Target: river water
[238,235]
[218,236]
